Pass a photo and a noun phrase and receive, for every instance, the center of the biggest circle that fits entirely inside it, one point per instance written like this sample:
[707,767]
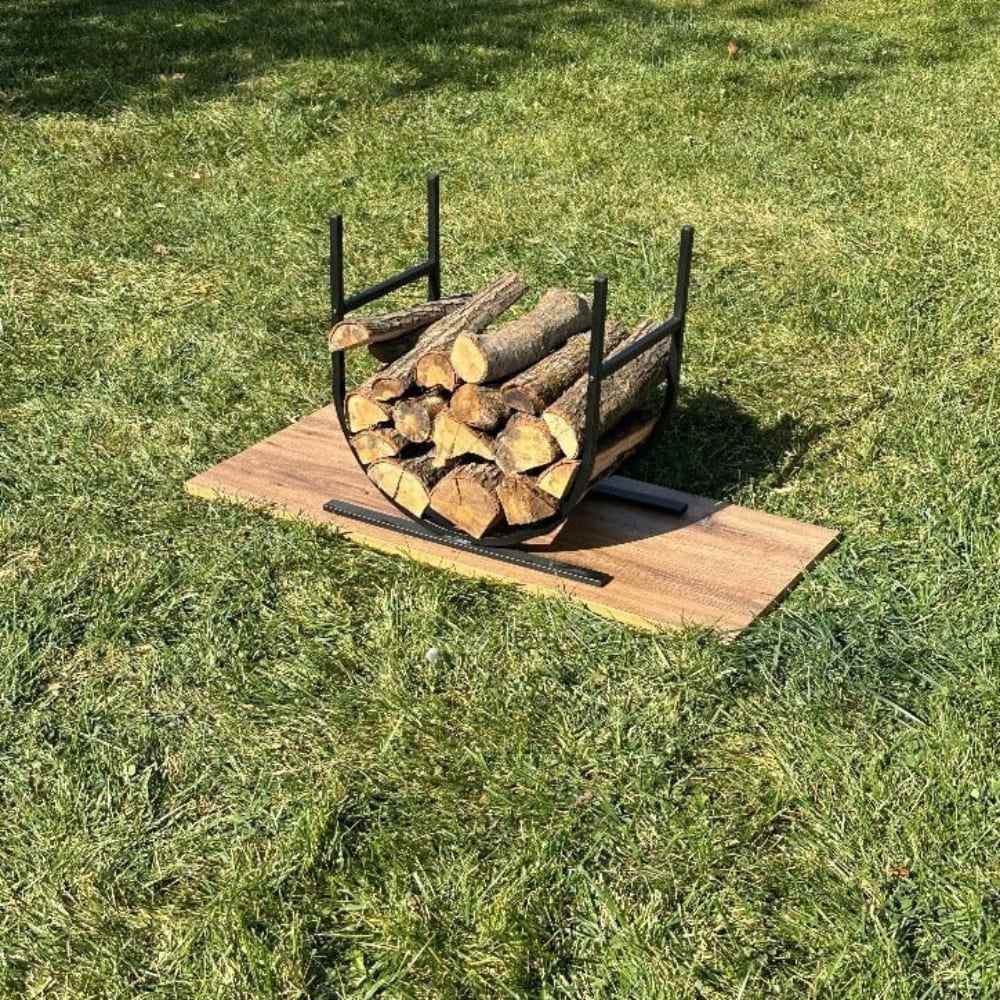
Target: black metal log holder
[433,528]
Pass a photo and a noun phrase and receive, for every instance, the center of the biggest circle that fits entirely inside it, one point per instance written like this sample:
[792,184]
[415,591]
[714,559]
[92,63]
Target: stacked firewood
[484,424]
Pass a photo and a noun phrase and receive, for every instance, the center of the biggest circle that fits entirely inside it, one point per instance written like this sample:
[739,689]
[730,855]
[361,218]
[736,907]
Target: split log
[612,451]
[452,438]
[379,442]
[388,351]
[414,418]
[481,309]
[408,481]
[523,502]
[520,343]
[620,393]
[479,406]
[467,497]
[543,383]
[524,444]
[364,411]
[375,329]
[435,371]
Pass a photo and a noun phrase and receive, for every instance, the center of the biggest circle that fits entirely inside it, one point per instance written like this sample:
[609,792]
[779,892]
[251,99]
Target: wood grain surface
[719,566]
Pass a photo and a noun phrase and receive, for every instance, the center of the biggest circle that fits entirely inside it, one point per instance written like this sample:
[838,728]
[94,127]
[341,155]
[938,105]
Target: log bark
[523,502]
[481,309]
[414,418]
[364,411]
[434,370]
[544,382]
[620,393]
[479,406]
[388,351]
[408,481]
[467,497]
[612,451]
[379,442]
[452,439]
[374,329]
[524,444]
[515,345]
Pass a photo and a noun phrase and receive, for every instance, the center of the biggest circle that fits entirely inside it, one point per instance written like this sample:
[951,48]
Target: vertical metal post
[434,237]
[592,418]
[598,314]
[681,288]
[337,372]
[336,268]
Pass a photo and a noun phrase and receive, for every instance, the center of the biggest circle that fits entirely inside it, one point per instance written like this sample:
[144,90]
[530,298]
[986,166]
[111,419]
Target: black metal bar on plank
[621,488]
[516,557]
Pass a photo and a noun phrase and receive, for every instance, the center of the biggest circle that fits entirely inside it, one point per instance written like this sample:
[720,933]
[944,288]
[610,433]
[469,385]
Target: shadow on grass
[93,58]
[713,446]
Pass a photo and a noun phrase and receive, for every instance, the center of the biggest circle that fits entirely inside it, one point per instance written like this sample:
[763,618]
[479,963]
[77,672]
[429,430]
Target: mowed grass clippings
[226,768]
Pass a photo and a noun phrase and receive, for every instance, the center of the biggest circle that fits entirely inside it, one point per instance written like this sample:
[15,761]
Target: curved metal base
[517,557]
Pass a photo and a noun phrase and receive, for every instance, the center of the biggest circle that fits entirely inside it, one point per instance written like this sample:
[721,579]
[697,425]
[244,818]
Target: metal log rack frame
[500,546]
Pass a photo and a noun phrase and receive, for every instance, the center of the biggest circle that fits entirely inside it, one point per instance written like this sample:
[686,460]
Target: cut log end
[479,407]
[467,358]
[525,444]
[414,418]
[386,388]
[467,497]
[558,477]
[408,481]
[523,502]
[522,400]
[564,433]
[377,443]
[452,439]
[347,334]
[435,371]
[364,412]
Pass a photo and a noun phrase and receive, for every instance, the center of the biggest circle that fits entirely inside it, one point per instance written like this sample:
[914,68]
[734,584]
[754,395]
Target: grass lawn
[226,770]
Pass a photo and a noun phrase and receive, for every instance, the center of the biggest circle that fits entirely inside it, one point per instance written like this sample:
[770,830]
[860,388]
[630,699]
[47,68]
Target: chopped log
[375,329]
[523,502]
[414,418]
[481,309]
[408,481]
[379,442]
[387,351]
[434,370]
[620,393]
[467,497]
[524,444]
[479,406]
[452,438]
[517,344]
[363,411]
[612,451]
[543,383]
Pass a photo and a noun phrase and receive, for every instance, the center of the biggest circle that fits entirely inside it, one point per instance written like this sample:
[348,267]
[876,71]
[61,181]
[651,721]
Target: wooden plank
[719,566]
